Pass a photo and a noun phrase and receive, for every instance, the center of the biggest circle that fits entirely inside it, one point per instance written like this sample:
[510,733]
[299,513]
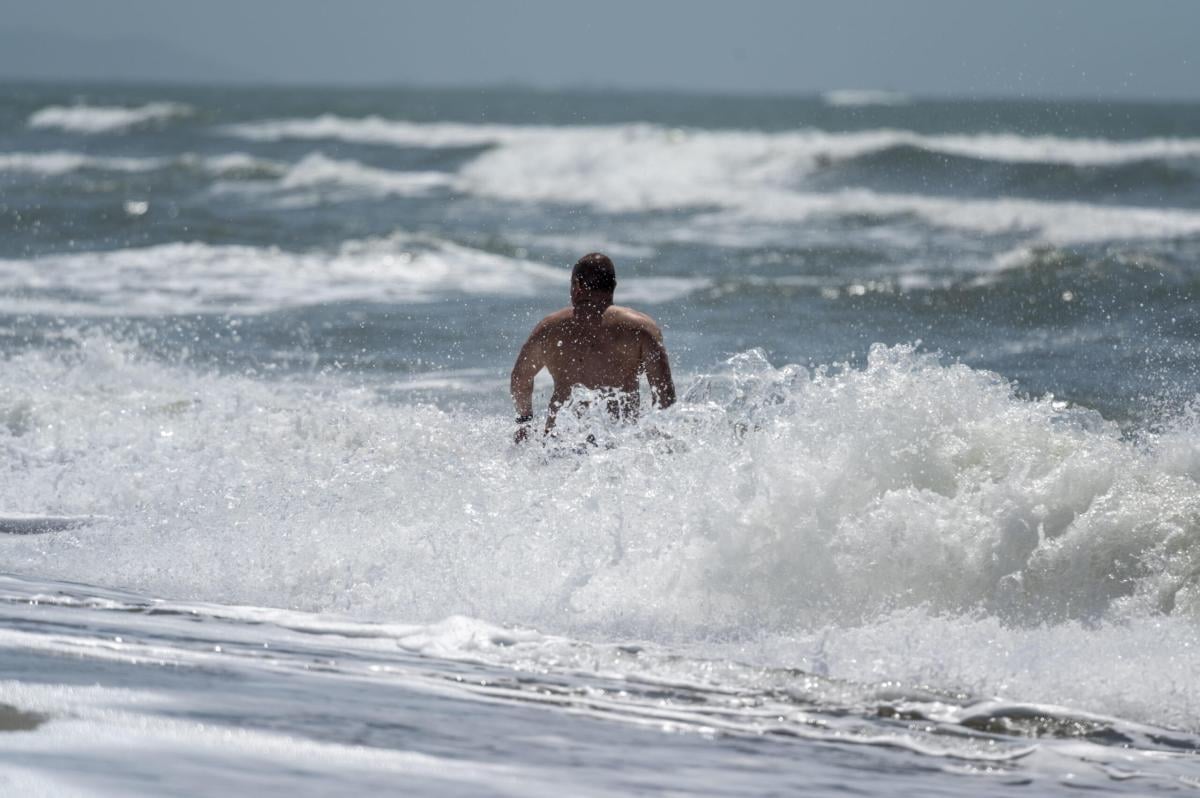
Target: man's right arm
[530,361]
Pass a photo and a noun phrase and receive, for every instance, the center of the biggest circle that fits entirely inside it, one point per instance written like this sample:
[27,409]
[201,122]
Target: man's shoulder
[628,317]
[554,320]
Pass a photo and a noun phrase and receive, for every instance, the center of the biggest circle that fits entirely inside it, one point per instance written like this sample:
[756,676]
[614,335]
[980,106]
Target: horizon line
[250,83]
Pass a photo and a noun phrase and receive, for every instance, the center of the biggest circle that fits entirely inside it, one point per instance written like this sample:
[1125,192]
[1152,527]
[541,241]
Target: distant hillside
[38,55]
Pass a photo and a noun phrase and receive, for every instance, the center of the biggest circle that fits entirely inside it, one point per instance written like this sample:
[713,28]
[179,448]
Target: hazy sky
[1084,48]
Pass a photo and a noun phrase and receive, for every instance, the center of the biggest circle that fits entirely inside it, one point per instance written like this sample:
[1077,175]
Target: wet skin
[597,345]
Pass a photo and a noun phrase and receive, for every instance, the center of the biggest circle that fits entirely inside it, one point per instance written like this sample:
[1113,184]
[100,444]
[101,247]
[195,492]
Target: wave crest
[857,98]
[91,119]
[809,146]
[193,277]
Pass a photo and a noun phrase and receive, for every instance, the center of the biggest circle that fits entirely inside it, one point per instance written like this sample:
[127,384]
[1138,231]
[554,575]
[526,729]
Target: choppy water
[925,520]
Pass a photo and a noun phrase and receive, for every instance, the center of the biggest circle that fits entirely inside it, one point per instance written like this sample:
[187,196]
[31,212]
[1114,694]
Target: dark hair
[595,272]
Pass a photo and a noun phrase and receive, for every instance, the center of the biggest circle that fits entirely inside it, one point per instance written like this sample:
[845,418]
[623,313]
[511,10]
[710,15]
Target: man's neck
[592,309]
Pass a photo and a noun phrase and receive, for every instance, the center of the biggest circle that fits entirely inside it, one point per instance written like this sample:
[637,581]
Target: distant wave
[193,277]
[316,169]
[1013,148]
[761,177]
[230,164]
[757,176]
[852,98]
[312,171]
[378,130]
[196,278]
[316,179]
[92,119]
[1056,222]
[805,147]
[59,162]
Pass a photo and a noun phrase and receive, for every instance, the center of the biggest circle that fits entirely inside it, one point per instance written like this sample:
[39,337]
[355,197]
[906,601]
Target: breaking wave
[857,98]
[192,277]
[769,499]
[91,119]
[1035,220]
[751,177]
[61,162]
[316,179]
[805,147]
[316,169]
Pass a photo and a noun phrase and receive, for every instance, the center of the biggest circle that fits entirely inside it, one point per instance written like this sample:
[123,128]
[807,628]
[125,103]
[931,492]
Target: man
[595,344]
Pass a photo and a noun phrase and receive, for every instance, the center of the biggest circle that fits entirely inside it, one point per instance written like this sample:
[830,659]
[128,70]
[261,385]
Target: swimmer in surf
[595,344]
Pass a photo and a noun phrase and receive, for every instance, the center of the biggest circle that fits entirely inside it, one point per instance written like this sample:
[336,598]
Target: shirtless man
[593,343]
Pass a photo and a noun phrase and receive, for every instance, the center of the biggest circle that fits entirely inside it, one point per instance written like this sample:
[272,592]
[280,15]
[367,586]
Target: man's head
[593,279]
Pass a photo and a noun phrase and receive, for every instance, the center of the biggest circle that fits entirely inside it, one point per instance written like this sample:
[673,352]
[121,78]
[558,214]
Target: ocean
[925,520]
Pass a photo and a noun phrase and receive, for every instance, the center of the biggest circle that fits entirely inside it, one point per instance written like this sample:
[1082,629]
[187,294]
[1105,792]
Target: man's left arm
[530,361]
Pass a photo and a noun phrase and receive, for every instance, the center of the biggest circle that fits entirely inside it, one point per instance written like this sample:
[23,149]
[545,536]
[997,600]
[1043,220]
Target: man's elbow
[520,381]
[518,385]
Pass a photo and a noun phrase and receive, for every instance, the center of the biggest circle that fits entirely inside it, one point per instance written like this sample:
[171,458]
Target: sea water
[925,519]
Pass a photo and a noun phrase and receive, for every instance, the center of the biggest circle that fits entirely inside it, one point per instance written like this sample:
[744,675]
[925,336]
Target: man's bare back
[594,344]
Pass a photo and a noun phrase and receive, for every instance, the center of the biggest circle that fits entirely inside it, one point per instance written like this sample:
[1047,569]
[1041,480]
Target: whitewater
[925,519]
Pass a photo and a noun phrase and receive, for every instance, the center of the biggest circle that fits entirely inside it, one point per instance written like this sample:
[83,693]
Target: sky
[1139,49]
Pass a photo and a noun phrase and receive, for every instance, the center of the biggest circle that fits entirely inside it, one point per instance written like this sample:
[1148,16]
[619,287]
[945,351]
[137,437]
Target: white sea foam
[192,277]
[803,147]
[760,178]
[317,179]
[755,175]
[60,162]
[1013,148]
[768,499]
[854,98]
[233,164]
[1140,669]
[317,170]
[759,184]
[106,119]
[378,130]
[182,278]
[912,520]
[1041,221]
